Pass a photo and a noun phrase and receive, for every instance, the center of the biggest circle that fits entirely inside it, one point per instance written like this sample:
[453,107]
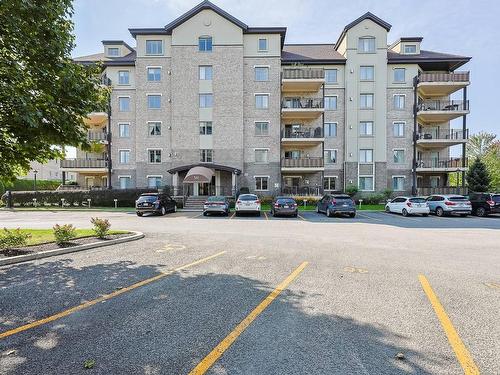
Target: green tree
[492,161]
[479,144]
[44,96]
[478,178]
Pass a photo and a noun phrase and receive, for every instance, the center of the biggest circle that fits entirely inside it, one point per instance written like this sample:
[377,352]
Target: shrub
[387,194]
[351,190]
[64,233]
[373,199]
[101,226]
[13,238]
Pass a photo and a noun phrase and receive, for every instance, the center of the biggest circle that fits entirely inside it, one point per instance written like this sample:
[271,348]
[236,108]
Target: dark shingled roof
[429,60]
[366,16]
[311,54]
[126,60]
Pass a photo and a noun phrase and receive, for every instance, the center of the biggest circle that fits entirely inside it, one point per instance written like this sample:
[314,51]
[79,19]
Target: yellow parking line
[104,297]
[463,355]
[234,213]
[219,350]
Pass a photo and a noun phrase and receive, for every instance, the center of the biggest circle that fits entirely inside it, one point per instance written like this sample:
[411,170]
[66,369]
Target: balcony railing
[427,190]
[304,190]
[97,136]
[448,134]
[440,163]
[83,163]
[444,77]
[443,105]
[303,73]
[312,162]
[302,103]
[302,133]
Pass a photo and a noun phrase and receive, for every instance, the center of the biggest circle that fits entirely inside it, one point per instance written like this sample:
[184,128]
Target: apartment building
[208,105]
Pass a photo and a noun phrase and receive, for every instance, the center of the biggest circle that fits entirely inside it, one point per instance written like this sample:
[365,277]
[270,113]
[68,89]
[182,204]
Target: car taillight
[157,202]
[334,202]
[206,203]
[276,205]
[491,203]
[408,204]
[448,203]
[257,201]
[467,203]
[295,205]
[238,202]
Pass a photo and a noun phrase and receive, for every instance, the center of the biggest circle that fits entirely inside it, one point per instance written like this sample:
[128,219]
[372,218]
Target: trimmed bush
[28,185]
[373,199]
[64,233]
[101,227]
[351,190]
[10,239]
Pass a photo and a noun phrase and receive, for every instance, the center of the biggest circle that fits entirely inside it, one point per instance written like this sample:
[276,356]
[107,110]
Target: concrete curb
[50,253]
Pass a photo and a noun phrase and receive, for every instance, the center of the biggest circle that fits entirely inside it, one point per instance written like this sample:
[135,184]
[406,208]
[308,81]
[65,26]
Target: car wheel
[139,214]
[480,212]
[175,208]
[387,209]
[425,215]
[352,215]
[205,213]
[295,214]
[464,215]
[404,212]
[163,211]
[317,209]
[328,213]
[439,212]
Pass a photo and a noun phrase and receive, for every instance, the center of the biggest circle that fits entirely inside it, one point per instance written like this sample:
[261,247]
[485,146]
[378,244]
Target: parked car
[218,205]
[449,204]
[332,204]
[155,203]
[484,204]
[284,206]
[247,203]
[408,206]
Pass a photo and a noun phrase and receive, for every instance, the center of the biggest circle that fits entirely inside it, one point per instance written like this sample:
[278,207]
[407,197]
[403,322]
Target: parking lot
[377,294]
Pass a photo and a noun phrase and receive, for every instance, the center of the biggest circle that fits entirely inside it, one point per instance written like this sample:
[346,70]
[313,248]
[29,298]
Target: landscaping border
[50,253]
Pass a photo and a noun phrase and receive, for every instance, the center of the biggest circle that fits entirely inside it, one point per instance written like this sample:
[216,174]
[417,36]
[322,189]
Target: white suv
[408,206]
[247,203]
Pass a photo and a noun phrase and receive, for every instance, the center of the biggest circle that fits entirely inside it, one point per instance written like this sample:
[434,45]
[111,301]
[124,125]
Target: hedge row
[29,185]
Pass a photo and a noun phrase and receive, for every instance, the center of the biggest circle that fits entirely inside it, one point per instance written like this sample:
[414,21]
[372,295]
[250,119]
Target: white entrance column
[175,183]
[233,183]
[217,183]
[195,188]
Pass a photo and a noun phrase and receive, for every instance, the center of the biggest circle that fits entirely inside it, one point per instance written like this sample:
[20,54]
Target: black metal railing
[444,77]
[302,132]
[311,162]
[301,103]
[428,190]
[443,105]
[303,73]
[451,134]
[304,190]
[97,136]
[187,190]
[83,163]
[440,163]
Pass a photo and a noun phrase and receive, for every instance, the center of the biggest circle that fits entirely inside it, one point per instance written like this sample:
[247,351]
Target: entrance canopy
[198,174]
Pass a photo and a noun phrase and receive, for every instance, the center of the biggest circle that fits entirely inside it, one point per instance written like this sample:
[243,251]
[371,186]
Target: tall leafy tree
[478,178]
[44,96]
[492,161]
[479,144]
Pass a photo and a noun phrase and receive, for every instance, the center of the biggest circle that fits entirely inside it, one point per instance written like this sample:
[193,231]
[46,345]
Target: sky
[466,27]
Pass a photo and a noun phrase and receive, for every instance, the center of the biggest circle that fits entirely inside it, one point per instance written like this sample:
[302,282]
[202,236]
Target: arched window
[366,44]
[205,43]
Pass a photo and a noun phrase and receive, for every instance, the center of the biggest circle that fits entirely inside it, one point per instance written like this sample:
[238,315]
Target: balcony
[302,136]
[97,136]
[96,119]
[84,165]
[310,164]
[440,165]
[428,190]
[439,111]
[437,138]
[302,108]
[302,79]
[441,84]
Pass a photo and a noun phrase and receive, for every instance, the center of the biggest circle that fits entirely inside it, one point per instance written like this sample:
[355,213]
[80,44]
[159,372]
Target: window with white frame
[293,154]
[124,156]
[399,156]
[154,47]
[330,129]
[366,128]
[262,101]
[206,100]
[125,182]
[205,72]
[124,130]
[123,103]
[365,183]
[154,128]
[261,182]
[399,101]
[366,44]
[398,129]
[206,155]
[154,74]
[330,183]
[154,101]
[261,156]
[399,75]
[366,155]
[205,127]
[366,101]
[410,49]
[154,181]
[205,43]
[398,183]
[113,51]
[262,44]
[154,156]
[366,73]
[123,77]
[330,156]
[331,103]
[261,73]
[261,128]
[331,76]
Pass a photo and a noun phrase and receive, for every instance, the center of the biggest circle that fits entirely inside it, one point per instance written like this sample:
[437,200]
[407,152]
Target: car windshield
[216,199]
[147,198]
[342,197]
[248,197]
[417,200]
[496,198]
[285,201]
[457,198]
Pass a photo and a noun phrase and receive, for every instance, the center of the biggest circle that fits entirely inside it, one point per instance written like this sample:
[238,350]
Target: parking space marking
[492,285]
[196,216]
[463,355]
[105,297]
[368,217]
[265,214]
[219,350]
[301,217]
[234,213]
[355,270]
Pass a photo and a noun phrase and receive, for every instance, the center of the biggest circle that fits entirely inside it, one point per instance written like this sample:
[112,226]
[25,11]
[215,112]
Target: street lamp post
[34,179]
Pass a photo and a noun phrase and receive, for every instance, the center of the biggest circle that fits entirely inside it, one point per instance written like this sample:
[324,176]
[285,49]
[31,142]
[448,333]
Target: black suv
[155,203]
[484,204]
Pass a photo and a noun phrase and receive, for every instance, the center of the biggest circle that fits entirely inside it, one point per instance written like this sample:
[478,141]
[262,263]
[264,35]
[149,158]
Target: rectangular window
[261,73]
[205,44]
[206,156]
[154,181]
[399,101]
[123,104]
[123,77]
[331,75]
[206,100]
[206,127]
[399,156]
[331,103]
[366,45]
[366,73]
[366,101]
[124,130]
[366,183]
[262,128]
[330,156]
[154,101]
[206,73]
[294,154]
[262,44]
[113,51]
[410,48]
[125,182]
[154,74]
[330,129]
[262,101]
[154,156]
[261,156]
[154,47]
[366,156]
[124,156]
[330,183]
[398,183]
[261,183]
[366,128]
[154,128]
[398,129]
[399,74]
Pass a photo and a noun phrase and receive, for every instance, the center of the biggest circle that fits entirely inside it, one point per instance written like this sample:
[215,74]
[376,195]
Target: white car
[248,203]
[408,206]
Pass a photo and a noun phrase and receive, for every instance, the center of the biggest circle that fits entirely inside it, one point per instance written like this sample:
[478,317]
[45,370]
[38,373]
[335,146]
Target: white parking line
[368,217]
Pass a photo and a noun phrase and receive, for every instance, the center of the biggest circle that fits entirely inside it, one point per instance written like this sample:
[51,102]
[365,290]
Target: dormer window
[410,49]
[366,44]
[205,43]
[113,52]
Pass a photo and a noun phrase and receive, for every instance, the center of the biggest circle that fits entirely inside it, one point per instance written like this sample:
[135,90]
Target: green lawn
[96,209]
[47,235]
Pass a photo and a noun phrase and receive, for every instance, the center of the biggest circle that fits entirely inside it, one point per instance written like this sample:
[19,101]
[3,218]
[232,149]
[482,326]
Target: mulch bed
[53,246]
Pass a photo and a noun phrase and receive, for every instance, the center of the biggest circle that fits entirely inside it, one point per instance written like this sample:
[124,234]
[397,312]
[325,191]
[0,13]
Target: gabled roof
[311,54]
[127,60]
[429,60]
[366,16]
[116,42]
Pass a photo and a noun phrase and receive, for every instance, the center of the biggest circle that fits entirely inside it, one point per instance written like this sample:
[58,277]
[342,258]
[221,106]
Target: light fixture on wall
[350,126]
[169,100]
[350,154]
[169,72]
[351,99]
[350,181]
[352,70]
